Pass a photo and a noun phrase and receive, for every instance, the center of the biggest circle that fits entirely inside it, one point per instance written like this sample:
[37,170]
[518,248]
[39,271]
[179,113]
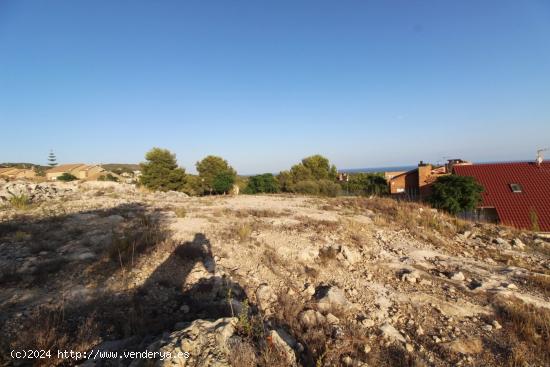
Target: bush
[66,177]
[20,201]
[265,183]
[161,171]
[308,187]
[366,184]
[455,194]
[193,185]
[108,177]
[328,188]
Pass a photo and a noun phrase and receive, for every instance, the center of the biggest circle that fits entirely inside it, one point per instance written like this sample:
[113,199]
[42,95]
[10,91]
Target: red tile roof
[514,209]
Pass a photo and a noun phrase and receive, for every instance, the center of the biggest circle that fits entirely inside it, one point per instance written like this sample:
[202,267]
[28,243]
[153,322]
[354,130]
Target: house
[79,170]
[388,175]
[516,194]
[14,172]
[416,184]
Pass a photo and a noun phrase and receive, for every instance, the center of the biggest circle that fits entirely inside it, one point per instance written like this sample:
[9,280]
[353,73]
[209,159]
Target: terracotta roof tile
[514,209]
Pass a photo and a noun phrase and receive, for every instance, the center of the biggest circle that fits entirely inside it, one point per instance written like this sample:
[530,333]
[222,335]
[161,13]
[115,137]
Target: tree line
[314,175]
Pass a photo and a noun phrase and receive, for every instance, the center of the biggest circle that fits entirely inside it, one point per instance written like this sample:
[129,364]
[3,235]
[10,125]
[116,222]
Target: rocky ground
[264,280]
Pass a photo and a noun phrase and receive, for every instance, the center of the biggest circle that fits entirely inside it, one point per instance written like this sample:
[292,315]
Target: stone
[409,347]
[457,276]
[311,318]
[265,297]
[471,345]
[411,277]
[347,361]
[390,333]
[487,327]
[206,342]
[496,325]
[517,243]
[352,256]
[332,320]
[332,299]
[367,323]
[285,344]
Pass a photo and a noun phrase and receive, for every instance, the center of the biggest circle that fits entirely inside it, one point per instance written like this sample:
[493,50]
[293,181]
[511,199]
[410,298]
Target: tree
[285,181]
[161,171]
[211,167]
[265,183]
[52,160]
[455,194]
[193,185]
[366,184]
[320,167]
[223,182]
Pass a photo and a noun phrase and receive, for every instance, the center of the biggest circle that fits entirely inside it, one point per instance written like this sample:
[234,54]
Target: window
[515,187]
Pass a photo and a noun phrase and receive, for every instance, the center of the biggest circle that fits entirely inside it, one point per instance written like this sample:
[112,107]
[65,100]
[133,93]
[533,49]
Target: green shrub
[328,188]
[108,177]
[265,183]
[366,184]
[308,187]
[66,177]
[455,194]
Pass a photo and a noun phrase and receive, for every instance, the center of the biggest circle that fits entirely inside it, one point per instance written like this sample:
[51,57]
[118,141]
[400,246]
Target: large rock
[284,344]
[36,192]
[265,297]
[332,300]
[205,342]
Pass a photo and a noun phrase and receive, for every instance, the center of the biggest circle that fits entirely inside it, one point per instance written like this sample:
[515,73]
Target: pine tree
[52,160]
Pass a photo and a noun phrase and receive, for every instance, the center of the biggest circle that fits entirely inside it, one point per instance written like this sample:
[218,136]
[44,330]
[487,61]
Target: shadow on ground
[60,300]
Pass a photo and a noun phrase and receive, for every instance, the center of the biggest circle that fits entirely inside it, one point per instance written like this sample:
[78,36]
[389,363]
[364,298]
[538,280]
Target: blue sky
[265,83]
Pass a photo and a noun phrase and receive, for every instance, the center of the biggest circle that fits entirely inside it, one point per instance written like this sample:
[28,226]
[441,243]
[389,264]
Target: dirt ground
[411,286]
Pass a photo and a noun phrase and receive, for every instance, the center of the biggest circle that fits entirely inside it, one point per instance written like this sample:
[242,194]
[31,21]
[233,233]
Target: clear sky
[265,83]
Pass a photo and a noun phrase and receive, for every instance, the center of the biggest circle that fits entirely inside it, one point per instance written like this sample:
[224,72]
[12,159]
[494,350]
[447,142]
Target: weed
[21,202]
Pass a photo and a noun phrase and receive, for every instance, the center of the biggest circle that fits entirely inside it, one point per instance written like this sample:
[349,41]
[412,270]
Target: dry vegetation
[416,287]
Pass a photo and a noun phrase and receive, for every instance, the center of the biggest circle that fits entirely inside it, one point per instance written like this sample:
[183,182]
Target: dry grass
[257,213]
[21,202]
[314,225]
[138,238]
[540,282]
[526,339]
[180,212]
[241,232]
[51,329]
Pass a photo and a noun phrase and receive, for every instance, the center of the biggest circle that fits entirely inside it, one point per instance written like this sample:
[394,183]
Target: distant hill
[24,165]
